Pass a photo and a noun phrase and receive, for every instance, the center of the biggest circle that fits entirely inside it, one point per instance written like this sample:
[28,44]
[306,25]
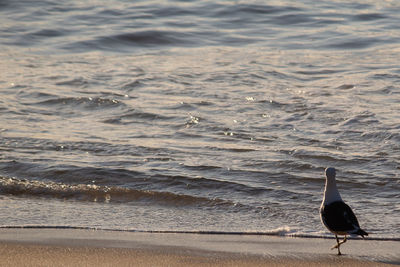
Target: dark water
[198,116]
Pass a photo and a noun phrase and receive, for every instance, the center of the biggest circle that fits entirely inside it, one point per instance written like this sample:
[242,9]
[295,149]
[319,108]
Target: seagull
[336,215]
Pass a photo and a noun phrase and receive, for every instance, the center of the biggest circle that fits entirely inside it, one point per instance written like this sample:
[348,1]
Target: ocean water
[213,116]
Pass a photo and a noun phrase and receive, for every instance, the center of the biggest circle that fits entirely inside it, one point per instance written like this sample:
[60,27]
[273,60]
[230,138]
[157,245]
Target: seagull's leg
[344,240]
[338,244]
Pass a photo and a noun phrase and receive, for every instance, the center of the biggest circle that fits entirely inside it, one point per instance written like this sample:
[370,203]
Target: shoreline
[68,247]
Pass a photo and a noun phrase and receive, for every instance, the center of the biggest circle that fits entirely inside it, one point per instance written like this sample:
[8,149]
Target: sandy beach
[72,247]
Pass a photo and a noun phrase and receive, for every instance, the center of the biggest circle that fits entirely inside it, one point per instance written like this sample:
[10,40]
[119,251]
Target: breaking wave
[96,193]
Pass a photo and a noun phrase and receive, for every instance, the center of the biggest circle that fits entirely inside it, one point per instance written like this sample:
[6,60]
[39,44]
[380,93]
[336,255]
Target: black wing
[339,217]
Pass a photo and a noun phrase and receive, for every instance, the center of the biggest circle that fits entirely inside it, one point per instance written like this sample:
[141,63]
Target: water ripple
[210,114]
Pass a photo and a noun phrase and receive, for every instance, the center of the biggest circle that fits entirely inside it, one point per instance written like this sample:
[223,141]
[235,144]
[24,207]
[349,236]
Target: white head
[330,173]
[331,193]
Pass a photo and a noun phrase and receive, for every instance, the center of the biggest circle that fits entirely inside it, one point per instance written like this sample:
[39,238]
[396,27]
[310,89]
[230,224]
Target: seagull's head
[330,173]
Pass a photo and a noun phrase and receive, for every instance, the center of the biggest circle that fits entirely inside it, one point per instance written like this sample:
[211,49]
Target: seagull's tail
[361,232]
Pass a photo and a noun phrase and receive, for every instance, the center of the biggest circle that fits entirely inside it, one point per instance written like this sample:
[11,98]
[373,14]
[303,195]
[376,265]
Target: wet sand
[71,247]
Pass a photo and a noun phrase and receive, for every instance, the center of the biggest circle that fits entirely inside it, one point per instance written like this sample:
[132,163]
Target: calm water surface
[199,116]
